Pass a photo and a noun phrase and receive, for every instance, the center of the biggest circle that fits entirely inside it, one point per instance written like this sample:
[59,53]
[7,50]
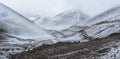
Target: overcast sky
[30,8]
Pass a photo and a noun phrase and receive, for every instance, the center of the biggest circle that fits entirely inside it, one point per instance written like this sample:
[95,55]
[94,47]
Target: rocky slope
[105,48]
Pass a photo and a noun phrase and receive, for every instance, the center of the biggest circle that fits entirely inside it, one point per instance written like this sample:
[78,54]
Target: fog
[51,8]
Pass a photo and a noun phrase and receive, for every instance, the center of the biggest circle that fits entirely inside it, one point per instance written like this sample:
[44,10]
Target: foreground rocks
[94,49]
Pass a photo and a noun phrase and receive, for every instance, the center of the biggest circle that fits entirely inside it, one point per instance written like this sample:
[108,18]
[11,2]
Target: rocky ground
[93,49]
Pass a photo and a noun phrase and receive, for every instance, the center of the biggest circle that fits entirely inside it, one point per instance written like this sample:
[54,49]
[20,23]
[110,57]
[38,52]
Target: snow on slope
[35,18]
[104,24]
[108,15]
[19,32]
[113,54]
[66,26]
[16,25]
[65,20]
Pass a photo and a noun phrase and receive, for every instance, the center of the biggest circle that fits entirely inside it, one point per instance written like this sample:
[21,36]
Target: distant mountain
[65,20]
[66,25]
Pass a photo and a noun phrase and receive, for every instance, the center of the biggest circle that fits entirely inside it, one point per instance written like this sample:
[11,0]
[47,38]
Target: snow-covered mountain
[71,25]
[17,25]
[65,20]
[68,20]
[104,24]
[66,25]
[18,31]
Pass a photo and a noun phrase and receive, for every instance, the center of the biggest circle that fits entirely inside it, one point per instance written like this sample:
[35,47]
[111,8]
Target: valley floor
[94,49]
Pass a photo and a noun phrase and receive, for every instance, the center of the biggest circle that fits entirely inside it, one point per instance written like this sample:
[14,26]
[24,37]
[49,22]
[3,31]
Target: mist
[50,8]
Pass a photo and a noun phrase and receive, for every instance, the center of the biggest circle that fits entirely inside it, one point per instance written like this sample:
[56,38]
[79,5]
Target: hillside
[104,48]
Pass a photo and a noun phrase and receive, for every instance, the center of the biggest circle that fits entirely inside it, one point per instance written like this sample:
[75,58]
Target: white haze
[50,8]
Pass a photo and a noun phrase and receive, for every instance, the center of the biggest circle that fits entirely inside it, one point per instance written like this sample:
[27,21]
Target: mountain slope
[109,15]
[17,32]
[104,24]
[17,25]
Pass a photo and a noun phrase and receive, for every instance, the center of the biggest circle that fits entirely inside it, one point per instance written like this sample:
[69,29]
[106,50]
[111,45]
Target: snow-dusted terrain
[18,31]
[100,26]
[16,25]
[104,24]
[65,20]
[66,25]
[72,25]
[114,53]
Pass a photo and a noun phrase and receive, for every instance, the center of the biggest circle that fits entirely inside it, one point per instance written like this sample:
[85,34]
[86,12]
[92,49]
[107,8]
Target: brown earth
[67,50]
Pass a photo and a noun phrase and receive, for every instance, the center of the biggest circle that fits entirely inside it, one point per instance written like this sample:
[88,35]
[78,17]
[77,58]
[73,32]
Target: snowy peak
[73,14]
[65,20]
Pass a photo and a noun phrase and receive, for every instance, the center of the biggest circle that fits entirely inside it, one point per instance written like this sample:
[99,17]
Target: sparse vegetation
[90,50]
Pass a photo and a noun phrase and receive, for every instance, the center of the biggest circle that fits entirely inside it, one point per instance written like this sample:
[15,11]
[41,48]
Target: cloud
[94,7]
[36,7]
[30,8]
